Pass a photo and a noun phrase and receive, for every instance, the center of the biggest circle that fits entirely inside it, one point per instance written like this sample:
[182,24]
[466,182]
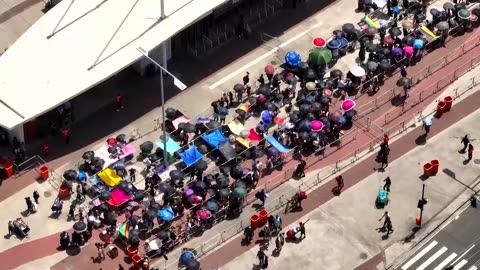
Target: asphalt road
[457,245]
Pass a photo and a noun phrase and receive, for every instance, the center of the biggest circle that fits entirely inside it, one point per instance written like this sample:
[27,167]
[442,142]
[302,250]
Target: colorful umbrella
[397,52]
[408,50]
[348,105]
[318,42]
[269,69]
[266,117]
[357,71]
[418,43]
[388,40]
[204,214]
[293,58]
[464,14]
[240,192]
[333,44]
[327,92]
[278,120]
[317,126]
[320,56]
[442,26]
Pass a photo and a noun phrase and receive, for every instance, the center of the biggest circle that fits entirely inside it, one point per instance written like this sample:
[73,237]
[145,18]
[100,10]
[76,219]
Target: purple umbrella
[261,99]
[266,117]
[397,52]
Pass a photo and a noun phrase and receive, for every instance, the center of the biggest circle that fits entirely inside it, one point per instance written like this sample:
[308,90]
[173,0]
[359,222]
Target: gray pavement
[457,245]
[342,233]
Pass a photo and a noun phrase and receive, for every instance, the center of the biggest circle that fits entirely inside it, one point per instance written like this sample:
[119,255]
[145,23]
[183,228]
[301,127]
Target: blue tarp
[278,145]
[215,138]
[191,156]
[172,146]
[166,214]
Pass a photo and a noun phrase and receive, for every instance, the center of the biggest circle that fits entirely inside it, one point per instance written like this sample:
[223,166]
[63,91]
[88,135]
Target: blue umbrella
[212,206]
[203,120]
[119,166]
[309,100]
[166,214]
[82,176]
[396,10]
[186,256]
[418,43]
[266,117]
[293,59]
[223,111]
[333,44]
[427,121]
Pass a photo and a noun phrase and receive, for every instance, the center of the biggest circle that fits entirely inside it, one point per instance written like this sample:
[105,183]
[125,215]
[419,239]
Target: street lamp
[421,203]
[178,84]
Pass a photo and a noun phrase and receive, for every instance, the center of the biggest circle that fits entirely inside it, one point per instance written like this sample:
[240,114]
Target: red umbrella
[319,42]
[278,120]
[388,40]
[111,141]
[269,69]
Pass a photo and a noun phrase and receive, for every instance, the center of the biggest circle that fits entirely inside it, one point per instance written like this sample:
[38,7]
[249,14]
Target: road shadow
[421,140]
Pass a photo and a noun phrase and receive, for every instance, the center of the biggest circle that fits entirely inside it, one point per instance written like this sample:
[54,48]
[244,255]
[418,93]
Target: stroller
[57,206]
[21,227]
[382,198]
[64,240]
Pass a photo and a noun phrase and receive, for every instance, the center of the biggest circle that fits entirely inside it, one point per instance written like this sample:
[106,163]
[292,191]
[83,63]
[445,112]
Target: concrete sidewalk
[342,235]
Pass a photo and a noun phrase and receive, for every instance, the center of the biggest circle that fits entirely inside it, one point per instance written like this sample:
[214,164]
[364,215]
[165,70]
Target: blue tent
[215,138]
[277,145]
[172,146]
[191,156]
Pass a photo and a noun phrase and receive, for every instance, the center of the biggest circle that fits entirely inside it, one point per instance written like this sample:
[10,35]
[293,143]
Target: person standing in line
[66,134]
[119,102]
[36,196]
[388,183]
[246,79]
[132,173]
[302,230]
[230,99]
[403,71]
[261,80]
[465,142]
[470,152]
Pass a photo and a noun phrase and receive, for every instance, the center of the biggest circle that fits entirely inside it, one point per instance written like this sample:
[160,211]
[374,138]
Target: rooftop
[80,43]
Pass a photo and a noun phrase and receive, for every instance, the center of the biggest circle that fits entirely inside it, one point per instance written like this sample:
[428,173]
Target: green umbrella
[320,56]
[464,14]
[240,192]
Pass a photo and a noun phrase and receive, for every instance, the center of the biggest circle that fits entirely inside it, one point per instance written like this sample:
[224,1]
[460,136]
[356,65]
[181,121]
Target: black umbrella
[372,66]
[303,66]
[112,150]
[305,125]
[150,214]
[121,138]
[103,207]
[222,181]
[133,239]
[310,117]
[435,12]
[176,175]
[239,184]
[313,135]
[325,122]
[304,109]
[317,107]
[459,7]
[336,73]
[202,149]
[272,152]
[89,155]
[163,235]
[192,265]
[293,116]
[223,193]
[98,162]
[241,112]
[170,112]
[135,219]
[278,77]
[199,186]
[104,196]
[146,147]
[269,106]
[408,40]
[236,172]
[404,82]
[419,17]
[304,136]
[350,114]
[325,100]
[258,153]
[264,90]
[70,175]
[385,66]
[79,226]
[372,48]
[384,51]
[165,187]
[187,127]
[110,218]
[311,75]
[395,31]
[214,125]
[123,185]
[448,6]
[238,88]
[348,28]
[68,183]
[201,165]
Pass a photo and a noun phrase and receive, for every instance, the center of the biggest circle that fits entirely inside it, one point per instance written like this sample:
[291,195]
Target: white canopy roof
[92,40]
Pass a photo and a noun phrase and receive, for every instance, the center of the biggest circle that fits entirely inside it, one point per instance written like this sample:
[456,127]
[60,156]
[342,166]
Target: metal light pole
[177,83]
[422,203]
[162,9]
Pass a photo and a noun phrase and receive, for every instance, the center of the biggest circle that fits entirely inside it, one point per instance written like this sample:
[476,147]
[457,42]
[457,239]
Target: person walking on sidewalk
[36,196]
[426,126]
[389,228]
[470,152]
[403,71]
[262,196]
[340,183]
[261,257]
[246,79]
[10,227]
[465,142]
[384,161]
[388,183]
[386,139]
[119,102]
[386,220]
[302,230]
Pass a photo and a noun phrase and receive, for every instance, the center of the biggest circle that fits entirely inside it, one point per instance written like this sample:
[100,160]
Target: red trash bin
[63,192]
[132,251]
[137,261]
[254,221]
[435,164]
[427,169]
[418,220]
[8,165]
[263,216]
[448,103]
[440,108]
[44,172]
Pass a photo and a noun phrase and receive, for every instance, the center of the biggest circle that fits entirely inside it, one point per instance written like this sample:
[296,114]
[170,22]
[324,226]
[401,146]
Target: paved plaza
[336,221]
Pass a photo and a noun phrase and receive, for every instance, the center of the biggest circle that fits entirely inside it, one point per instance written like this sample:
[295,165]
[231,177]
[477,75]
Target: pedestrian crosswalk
[435,256]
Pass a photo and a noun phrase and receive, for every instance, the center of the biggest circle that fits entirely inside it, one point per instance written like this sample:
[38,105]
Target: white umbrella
[358,71]
[310,86]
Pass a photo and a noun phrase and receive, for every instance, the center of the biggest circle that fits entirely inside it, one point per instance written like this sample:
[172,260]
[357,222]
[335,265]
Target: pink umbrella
[204,214]
[319,42]
[317,125]
[269,69]
[408,50]
[348,105]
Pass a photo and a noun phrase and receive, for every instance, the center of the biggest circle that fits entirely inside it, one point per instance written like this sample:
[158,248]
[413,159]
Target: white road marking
[443,264]
[473,268]
[463,254]
[460,265]
[262,57]
[419,255]
[433,258]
